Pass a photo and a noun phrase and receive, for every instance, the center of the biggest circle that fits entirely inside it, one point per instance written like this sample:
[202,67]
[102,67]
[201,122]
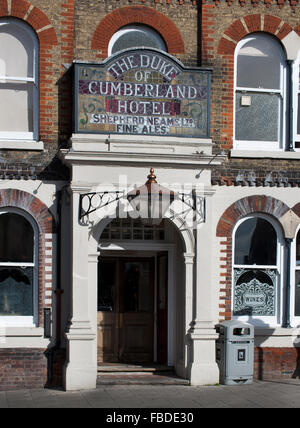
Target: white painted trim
[275,154]
[295,320]
[21,144]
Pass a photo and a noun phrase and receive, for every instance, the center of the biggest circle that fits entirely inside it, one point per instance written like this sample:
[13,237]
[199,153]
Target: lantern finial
[151,177]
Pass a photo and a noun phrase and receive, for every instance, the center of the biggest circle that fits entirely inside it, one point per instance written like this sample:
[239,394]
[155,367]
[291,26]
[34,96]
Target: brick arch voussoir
[15,198]
[33,16]
[250,24]
[137,15]
[249,205]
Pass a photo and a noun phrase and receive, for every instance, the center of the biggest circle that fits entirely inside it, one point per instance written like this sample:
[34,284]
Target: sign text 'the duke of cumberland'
[142,92]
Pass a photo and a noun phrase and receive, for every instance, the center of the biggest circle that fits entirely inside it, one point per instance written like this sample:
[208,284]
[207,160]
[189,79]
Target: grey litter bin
[235,352]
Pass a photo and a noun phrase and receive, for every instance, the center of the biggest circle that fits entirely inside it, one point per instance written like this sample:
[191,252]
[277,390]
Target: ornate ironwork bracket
[91,202]
[195,202]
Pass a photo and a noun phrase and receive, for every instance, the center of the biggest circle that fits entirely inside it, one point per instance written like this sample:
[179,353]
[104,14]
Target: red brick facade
[276,363]
[22,368]
[197,33]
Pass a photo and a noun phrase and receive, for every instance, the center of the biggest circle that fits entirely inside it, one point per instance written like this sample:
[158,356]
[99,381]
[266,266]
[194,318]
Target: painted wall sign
[143,92]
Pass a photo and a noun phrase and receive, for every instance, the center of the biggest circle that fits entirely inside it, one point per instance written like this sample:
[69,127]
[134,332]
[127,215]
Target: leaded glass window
[129,229]
[256,269]
[259,93]
[17,266]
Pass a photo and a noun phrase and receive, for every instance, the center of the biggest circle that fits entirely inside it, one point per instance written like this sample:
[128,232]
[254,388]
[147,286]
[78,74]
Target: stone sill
[140,144]
[23,332]
[257,154]
[21,145]
[277,331]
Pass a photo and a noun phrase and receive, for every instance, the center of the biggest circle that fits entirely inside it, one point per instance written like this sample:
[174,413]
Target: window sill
[264,154]
[23,332]
[276,331]
[29,145]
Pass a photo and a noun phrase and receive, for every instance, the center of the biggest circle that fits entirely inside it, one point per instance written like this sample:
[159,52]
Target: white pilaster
[203,368]
[81,367]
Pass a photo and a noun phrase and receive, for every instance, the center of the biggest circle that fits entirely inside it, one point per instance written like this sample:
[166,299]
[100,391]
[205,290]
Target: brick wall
[276,363]
[22,368]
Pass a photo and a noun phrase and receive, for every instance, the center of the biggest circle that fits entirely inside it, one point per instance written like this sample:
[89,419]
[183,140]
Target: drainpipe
[287,314]
[58,291]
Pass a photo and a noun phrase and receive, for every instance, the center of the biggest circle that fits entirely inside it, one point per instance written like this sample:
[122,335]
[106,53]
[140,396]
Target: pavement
[259,394]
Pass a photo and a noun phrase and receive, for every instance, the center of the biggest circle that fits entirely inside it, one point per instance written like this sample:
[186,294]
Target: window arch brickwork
[47,229]
[137,15]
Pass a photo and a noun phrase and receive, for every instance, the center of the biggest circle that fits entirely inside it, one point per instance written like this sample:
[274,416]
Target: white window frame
[132,28]
[24,321]
[295,320]
[256,320]
[262,145]
[25,136]
[296,92]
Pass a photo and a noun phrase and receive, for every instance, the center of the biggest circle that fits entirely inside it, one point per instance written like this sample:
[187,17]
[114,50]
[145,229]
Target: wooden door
[162,308]
[108,332]
[126,310]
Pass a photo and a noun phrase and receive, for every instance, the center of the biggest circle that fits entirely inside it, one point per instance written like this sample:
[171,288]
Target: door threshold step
[133,368]
[137,379]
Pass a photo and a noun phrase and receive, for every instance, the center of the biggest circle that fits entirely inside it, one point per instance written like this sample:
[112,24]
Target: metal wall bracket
[91,202]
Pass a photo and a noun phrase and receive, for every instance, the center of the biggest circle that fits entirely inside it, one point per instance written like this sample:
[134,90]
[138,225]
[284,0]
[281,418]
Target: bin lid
[234,328]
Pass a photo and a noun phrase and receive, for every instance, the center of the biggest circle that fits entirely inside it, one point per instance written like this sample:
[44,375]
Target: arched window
[135,36]
[260,74]
[18,269]
[18,81]
[257,269]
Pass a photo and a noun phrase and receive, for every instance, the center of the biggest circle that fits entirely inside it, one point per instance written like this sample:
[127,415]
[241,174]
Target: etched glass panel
[16,291]
[258,120]
[256,243]
[254,292]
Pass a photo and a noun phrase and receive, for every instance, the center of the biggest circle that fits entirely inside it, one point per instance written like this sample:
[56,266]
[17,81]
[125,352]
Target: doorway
[132,309]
